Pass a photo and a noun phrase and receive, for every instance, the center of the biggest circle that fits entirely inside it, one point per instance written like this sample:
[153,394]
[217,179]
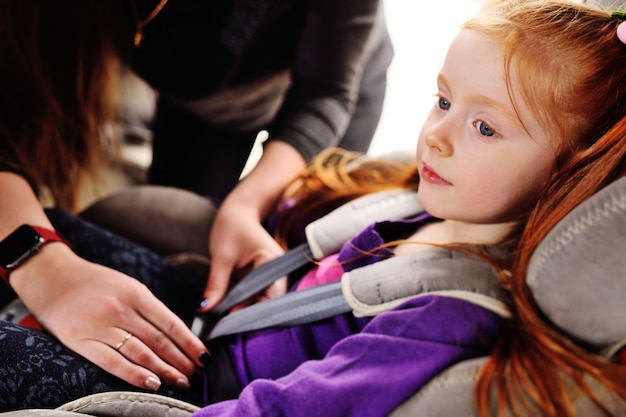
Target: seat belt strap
[265,275]
[324,236]
[292,309]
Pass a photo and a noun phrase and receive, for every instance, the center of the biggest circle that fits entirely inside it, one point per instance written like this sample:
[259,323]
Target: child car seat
[576,275]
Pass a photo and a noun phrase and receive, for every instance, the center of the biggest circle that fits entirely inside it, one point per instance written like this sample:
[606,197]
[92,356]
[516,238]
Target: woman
[312,73]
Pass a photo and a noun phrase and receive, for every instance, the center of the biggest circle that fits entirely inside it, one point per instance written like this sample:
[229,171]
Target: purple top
[346,366]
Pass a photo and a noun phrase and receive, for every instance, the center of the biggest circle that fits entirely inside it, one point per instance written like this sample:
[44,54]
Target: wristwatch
[21,244]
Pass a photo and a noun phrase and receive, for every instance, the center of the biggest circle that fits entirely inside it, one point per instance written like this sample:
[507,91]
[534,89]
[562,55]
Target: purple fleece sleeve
[372,372]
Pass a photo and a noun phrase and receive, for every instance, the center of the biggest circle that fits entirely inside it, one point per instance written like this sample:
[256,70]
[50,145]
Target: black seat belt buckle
[203,324]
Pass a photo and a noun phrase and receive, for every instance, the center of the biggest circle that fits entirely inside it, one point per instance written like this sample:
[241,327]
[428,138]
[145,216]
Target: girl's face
[477,162]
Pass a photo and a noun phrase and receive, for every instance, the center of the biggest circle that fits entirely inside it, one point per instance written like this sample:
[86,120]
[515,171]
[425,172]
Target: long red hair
[335,177]
[58,89]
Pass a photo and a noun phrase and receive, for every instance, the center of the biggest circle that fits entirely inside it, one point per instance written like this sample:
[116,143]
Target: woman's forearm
[19,204]
[264,186]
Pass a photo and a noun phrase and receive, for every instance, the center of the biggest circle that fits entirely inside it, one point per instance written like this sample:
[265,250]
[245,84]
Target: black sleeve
[339,39]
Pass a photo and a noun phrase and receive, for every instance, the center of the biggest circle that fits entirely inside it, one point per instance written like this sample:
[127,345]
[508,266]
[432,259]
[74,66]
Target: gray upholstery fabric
[327,234]
[578,273]
[115,404]
[129,404]
[378,287]
[39,413]
[165,219]
[451,394]
[172,222]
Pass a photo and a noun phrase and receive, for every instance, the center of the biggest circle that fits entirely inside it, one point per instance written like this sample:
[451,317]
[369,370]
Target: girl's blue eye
[444,104]
[484,128]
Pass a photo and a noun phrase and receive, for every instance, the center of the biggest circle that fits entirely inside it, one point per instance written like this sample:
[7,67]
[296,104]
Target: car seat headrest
[578,272]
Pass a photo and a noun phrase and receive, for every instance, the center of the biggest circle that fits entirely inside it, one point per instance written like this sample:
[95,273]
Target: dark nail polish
[205,358]
[203,303]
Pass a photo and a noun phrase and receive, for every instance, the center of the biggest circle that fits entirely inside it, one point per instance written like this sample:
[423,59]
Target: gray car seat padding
[115,404]
[165,219]
[582,257]
[451,394]
[129,404]
[578,272]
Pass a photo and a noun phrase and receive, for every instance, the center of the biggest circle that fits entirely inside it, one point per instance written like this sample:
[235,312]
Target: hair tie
[621,28]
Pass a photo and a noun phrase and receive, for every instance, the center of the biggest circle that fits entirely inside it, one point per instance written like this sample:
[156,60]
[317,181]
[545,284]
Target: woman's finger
[107,357]
[137,352]
[168,336]
[218,282]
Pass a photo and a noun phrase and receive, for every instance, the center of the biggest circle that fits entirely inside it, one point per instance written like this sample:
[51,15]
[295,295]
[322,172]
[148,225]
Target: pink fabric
[328,270]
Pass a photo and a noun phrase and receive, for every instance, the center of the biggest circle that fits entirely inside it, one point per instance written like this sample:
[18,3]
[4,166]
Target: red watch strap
[48,236]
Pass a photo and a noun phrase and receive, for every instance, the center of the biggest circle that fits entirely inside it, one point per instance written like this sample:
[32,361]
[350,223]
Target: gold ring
[123,341]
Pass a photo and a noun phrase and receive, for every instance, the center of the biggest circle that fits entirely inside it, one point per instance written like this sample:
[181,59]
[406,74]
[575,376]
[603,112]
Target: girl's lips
[429,175]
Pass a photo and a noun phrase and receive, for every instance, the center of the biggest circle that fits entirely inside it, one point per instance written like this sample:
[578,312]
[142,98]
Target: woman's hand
[109,318]
[239,243]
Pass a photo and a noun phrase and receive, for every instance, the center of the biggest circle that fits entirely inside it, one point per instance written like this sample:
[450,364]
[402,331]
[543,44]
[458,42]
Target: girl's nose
[437,141]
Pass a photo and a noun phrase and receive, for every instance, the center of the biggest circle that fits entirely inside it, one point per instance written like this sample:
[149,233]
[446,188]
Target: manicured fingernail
[203,303]
[182,383]
[152,383]
[204,358]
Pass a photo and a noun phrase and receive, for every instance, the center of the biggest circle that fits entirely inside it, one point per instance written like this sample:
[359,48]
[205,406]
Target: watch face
[19,246]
